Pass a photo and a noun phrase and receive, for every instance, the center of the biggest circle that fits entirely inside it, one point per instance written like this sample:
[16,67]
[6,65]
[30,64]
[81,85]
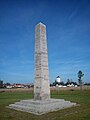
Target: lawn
[80,112]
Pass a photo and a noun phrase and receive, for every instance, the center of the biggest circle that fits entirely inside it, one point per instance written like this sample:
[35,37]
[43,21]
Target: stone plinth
[40,107]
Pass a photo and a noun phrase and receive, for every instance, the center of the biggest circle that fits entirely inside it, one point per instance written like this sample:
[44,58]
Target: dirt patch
[52,89]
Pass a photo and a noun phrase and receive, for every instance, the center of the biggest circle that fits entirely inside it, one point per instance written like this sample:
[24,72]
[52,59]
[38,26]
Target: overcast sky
[68,38]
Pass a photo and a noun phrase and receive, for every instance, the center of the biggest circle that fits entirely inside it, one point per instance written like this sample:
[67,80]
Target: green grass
[81,112]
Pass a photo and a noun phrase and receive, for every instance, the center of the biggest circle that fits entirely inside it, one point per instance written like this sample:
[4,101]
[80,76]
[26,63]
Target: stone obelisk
[41,73]
[41,103]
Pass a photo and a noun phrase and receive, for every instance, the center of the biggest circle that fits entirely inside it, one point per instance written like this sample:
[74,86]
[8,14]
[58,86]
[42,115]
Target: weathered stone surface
[41,73]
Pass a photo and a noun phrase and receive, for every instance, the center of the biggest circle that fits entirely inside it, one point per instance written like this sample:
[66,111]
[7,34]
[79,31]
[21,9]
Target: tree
[54,83]
[1,84]
[80,75]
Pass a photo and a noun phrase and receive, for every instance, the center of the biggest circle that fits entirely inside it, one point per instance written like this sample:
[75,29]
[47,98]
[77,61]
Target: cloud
[73,13]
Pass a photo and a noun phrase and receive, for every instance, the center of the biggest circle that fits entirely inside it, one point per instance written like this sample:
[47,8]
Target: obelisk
[41,72]
[41,103]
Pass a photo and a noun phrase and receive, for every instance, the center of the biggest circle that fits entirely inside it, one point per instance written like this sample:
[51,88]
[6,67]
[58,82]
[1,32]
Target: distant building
[19,85]
[58,80]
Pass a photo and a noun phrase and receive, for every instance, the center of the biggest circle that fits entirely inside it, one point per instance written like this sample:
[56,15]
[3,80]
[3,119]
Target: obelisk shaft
[41,73]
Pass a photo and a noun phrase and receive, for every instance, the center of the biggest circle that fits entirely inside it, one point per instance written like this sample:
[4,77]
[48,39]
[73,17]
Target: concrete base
[39,107]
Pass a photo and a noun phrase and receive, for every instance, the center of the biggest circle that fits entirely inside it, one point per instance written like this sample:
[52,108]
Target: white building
[58,79]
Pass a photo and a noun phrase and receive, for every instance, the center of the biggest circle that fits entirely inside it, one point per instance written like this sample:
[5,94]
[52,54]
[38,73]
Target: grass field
[81,112]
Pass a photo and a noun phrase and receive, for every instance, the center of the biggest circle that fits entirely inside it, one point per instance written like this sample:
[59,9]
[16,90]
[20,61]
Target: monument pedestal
[40,107]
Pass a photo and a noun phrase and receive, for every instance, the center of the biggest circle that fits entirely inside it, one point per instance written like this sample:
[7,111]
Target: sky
[68,38]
